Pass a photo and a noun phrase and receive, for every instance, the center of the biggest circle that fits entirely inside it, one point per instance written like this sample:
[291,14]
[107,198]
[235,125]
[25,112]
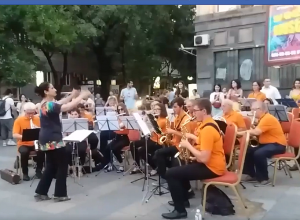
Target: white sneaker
[11,143]
[153,172]
[121,169]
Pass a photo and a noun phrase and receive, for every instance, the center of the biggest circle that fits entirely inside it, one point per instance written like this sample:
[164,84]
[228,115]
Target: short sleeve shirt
[8,103]
[129,98]
[51,128]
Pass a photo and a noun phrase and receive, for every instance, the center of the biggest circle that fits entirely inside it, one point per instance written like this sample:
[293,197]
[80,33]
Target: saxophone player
[138,148]
[163,155]
[210,160]
[25,147]
[271,141]
[232,116]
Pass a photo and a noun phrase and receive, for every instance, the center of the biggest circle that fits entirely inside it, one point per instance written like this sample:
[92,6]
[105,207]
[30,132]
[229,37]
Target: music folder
[279,112]
[287,102]
[30,134]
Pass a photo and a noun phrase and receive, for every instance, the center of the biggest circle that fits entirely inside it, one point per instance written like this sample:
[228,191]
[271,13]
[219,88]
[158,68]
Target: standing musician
[164,155]
[120,141]
[209,160]
[138,148]
[25,147]
[271,141]
[232,116]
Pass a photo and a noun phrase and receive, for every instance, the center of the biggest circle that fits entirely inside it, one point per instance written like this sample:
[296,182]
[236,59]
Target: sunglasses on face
[120,109]
[157,109]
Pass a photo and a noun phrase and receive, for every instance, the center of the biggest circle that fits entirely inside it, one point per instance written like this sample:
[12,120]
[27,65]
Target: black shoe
[191,194]
[174,215]
[26,177]
[39,197]
[294,168]
[186,204]
[62,199]
[38,174]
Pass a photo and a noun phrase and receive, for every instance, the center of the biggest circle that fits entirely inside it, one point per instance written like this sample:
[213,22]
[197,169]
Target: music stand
[109,109]
[31,135]
[279,112]
[108,123]
[100,111]
[287,102]
[247,102]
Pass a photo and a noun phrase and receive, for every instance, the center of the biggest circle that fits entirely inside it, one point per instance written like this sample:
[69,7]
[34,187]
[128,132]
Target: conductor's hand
[75,93]
[170,131]
[85,93]
[184,143]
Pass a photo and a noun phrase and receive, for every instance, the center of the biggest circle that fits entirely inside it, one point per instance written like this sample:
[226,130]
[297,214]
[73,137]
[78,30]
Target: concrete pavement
[111,196]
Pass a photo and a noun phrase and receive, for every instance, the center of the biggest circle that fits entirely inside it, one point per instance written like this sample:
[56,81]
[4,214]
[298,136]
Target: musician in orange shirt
[120,141]
[138,148]
[209,160]
[25,147]
[257,94]
[271,141]
[232,116]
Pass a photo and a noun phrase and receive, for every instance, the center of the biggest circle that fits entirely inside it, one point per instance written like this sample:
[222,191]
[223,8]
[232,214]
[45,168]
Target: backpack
[2,107]
[218,203]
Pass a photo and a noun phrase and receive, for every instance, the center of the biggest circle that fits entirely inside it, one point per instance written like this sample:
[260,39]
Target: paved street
[111,196]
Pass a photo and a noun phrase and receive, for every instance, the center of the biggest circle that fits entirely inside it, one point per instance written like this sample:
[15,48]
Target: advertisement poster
[283,35]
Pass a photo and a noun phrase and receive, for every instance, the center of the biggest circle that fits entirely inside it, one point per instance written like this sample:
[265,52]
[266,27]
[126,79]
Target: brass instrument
[253,139]
[33,126]
[184,154]
[166,138]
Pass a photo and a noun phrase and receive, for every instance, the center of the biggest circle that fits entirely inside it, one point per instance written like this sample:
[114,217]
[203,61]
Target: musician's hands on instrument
[184,143]
[170,131]
[190,136]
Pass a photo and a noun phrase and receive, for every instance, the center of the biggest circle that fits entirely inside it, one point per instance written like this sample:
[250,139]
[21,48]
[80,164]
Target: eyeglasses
[197,110]
[157,109]
[120,109]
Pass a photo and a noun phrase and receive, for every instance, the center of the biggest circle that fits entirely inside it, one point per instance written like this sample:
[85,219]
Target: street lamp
[98,82]
[113,82]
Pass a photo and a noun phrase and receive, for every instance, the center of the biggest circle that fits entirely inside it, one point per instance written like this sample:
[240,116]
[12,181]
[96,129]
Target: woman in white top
[216,98]
[20,104]
[195,95]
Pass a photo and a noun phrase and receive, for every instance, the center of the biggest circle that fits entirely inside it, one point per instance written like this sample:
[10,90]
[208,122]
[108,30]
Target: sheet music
[171,115]
[78,136]
[111,113]
[106,123]
[68,125]
[145,130]
[71,124]
[109,109]
[129,122]
[100,111]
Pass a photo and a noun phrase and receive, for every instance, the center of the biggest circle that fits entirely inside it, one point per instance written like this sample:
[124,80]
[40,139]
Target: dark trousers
[256,164]
[116,146]
[56,166]
[179,177]
[24,153]
[164,158]
[105,136]
[93,141]
[138,151]
[76,150]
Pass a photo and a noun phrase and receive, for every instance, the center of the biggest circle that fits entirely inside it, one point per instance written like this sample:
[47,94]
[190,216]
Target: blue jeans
[256,164]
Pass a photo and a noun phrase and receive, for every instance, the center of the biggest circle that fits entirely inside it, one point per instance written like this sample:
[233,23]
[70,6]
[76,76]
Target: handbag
[217,103]
[10,176]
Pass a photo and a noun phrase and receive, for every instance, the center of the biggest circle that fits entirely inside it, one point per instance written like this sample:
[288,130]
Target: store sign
[283,35]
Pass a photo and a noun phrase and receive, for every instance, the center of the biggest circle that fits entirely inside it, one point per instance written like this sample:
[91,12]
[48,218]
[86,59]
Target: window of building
[221,60]
[245,67]
[67,79]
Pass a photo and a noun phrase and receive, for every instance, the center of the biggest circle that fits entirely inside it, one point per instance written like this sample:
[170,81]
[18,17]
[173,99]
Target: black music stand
[287,102]
[108,123]
[279,112]
[247,102]
[30,135]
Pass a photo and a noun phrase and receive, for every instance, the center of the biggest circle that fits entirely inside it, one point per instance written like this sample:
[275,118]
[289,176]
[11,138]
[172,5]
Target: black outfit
[116,145]
[39,159]
[50,140]
[179,177]
[105,136]
[165,158]
[93,141]
[79,148]
[138,151]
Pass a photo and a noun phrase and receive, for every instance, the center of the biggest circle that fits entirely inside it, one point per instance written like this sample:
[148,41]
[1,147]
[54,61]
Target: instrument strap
[214,126]
[178,126]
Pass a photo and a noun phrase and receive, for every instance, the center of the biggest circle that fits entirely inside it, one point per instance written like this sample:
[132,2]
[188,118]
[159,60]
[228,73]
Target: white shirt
[8,103]
[271,93]
[129,97]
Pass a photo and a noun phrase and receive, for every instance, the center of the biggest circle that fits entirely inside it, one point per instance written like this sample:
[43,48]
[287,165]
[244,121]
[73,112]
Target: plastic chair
[230,179]
[293,142]
[229,142]
[133,135]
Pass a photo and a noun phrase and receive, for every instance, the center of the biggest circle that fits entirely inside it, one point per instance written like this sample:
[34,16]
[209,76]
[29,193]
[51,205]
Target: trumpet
[184,154]
[253,139]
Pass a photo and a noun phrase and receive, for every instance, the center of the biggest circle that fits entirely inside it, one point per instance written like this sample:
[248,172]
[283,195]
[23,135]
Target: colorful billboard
[283,35]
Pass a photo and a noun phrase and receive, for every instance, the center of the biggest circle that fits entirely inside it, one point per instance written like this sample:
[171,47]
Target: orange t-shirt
[21,123]
[271,130]
[209,139]
[259,96]
[179,121]
[162,123]
[89,117]
[235,118]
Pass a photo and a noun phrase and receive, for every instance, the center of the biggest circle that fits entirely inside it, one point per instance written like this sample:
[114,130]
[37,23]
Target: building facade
[236,50]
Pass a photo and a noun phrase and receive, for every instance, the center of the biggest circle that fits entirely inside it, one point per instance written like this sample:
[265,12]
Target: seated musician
[268,102]
[271,141]
[232,116]
[138,148]
[105,136]
[165,156]
[208,162]
[257,94]
[25,147]
[120,141]
[78,147]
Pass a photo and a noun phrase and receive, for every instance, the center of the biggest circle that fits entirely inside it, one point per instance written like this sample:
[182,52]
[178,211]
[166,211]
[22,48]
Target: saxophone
[166,138]
[184,154]
[33,126]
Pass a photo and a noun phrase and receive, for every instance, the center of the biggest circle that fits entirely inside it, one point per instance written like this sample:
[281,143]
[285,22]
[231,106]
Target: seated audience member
[25,147]
[271,141]
[209,160]
[232,116]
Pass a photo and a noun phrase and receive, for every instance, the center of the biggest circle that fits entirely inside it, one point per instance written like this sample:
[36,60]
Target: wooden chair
[133,135]
[293,142]
[230,179]
[229,142]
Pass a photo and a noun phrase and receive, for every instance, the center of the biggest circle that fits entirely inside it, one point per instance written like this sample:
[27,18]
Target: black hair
[219,87]
[178,90]
[258,83]
[179,101]
[21,96]
[203,103]
[195,90]
[8,92]
[238,83]
[40,90]
[269,100]
[295,82]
